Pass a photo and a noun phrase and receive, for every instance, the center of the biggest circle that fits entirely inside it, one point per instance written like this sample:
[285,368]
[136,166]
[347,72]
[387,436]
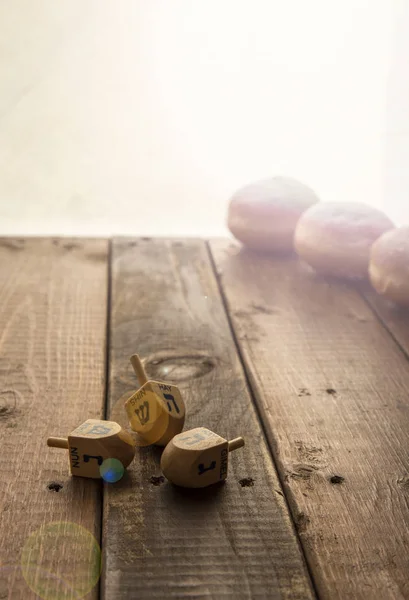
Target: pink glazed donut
[389,265]
[263,215]
[335,238]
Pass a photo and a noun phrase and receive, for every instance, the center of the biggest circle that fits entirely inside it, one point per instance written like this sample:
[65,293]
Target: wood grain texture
[332,387]
[53,304]
[395,318]
[230,541]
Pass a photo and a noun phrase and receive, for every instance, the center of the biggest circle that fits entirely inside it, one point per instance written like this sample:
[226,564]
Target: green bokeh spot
[61,561]
[112,470]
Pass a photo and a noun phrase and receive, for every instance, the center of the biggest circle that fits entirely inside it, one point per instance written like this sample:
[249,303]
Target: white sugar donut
[335,238]
[389,265]
[263,215]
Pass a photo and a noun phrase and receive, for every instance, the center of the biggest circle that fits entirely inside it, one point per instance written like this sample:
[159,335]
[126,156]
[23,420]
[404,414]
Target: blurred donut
[389,265]
[335,238]
[263,215]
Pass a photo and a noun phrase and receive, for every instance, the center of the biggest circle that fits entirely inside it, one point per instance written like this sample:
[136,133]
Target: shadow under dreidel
[185,506]
[127,481]
[195,496]
[174,493]
[134,476]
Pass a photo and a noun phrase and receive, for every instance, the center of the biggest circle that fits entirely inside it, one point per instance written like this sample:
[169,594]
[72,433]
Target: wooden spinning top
[92,443]
[197,458]
[156,411]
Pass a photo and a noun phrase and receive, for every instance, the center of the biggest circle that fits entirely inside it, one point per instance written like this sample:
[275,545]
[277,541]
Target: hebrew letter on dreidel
[143,413]
[203,469]
[163,414]
[99,459]
[191,440]
[170,399]
[99,430]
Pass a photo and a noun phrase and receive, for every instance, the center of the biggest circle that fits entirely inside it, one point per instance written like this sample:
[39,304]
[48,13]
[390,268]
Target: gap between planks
[273,450]
[395,319]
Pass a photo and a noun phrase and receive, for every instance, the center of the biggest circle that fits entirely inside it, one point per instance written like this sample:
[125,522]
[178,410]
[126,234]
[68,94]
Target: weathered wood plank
[53,305]
[332,387]
[161,541]
[395,318]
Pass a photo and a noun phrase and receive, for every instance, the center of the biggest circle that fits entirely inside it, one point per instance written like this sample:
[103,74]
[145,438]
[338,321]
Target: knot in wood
[179,367]
[8,403]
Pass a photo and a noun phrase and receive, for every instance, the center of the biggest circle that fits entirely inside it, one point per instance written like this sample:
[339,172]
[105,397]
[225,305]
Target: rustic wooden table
[314,374]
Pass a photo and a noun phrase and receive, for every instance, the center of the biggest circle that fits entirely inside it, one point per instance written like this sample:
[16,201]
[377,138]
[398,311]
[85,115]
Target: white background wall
[143,116]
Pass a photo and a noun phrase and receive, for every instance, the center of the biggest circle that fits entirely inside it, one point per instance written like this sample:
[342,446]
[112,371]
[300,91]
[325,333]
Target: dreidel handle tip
[138,368]
[236,443]
[55,442]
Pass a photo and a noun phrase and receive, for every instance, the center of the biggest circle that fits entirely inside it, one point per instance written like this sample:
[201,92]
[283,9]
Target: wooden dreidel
[156,411]
[197,458]
[95,444]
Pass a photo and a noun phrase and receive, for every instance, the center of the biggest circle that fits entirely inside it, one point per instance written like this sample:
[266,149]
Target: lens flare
[112,470]
[55,577]
[117,414]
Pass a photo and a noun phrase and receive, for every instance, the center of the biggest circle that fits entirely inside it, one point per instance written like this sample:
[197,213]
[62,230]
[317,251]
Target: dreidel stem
[139,370]
[236,443]
[55,442]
